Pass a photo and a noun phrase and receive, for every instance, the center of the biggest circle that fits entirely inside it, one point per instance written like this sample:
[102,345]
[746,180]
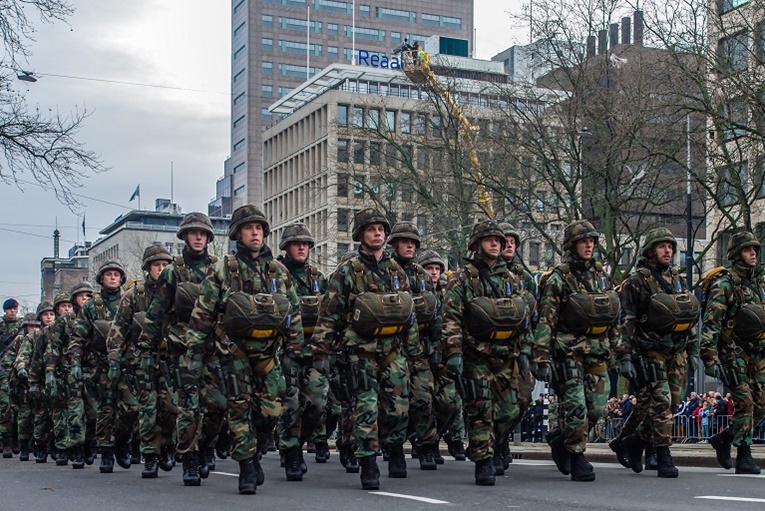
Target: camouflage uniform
[663,355]
[581,360]
[742,359]
[489,366]
[378,361]
[8,385]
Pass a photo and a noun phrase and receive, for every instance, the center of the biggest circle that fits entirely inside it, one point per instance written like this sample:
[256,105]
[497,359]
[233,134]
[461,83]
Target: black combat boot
[322,452]
[507,456]
[24,452]
[303,464]
[135,450]
[651,458]
[150,466]
[260,476]
[665,465]
[633,451]
[581,469]
[122,453]
[41,456]
[63,458]
[427,461]
[744,462]
[166,460]
[437,454]
[397,461]
[77,457]
[351,463]
[616,445]
[247,477]
[292,465]
[456,449]
[342,450]
[204,469]
[559,453]
[107,461]
[721,442]
[222,446]
[370,474]
[89,453]
[210,458]
[484,472]
[191,469]
[499,463]
[7,451]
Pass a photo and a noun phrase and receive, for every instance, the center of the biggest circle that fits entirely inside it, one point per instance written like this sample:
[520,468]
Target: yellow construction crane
[417,68]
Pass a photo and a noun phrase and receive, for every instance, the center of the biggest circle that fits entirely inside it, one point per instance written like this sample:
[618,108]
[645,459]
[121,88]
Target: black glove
[627,369]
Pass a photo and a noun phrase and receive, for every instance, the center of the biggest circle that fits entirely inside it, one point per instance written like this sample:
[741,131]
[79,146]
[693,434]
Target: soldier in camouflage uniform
[660,344]
[122,346]
[31,373]
[486,325]
[733,349]
[249,309]
[581,339]
[78,409]
[9,395]
[162,348]
[88,346]
[371,355]
[9,328]
[306,397]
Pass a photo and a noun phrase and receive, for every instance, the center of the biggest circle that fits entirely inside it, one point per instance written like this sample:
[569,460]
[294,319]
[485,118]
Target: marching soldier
[9,390]
[122,348]
[733,349]
[578,328]
[486,325]
[367,318]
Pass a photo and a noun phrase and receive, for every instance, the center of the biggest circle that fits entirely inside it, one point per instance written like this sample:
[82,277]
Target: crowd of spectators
[701,416]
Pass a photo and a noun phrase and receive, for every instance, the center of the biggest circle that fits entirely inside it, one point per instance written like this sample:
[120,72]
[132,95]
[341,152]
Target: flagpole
[139,196]
[171,183]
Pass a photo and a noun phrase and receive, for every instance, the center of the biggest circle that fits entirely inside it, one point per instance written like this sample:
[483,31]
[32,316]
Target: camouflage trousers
[422,427]
[381,407]
[25,421]
[303,409]
[458,431]
[6,412]
[254,403]
[80,412]
[116,411]
[493,408]
[157,413]
[583,395]
[656,400]
[42,422]
[523,386]
[333,413]
[748,396]
[199,424]
[446,406]
[59,419]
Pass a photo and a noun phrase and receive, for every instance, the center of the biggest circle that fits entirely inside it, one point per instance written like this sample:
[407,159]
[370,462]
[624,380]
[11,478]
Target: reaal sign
[373,59]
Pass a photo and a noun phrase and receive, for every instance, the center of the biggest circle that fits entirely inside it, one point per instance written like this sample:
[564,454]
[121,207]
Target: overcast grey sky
[139,130]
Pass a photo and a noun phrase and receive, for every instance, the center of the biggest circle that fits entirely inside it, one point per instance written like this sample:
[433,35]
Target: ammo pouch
[100,333]
[382,314]
[750,323]
[671,313]
[591,313]
[655,370]
[139,320]
[474,390]
[309,312]
[262,316]
[425,306]
[496,319]
[186,295]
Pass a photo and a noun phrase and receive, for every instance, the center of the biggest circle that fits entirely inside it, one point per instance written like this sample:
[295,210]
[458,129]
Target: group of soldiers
[206,356]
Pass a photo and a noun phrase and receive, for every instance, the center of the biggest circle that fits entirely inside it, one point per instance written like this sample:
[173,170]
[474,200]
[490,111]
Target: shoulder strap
[234,278]
[649,280]
[568,278]
[140,298]
[98,302]
[183,270]
[474,279]
[273,267]
[359,280]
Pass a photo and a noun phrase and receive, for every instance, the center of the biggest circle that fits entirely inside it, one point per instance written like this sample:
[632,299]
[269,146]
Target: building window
[534,247]
[358,152]
[358,117]
[239,75]
[375,153]
[735,118]
[298,48]
[239,122]
[299,25]
[365,10]
[332,52]
[359,184]
[267,91]
[265,114]
[728,5]
[733,53]
[239,191]
[369,34]
[267,68]
[342,151]
[239,168]
[238,30]
[422,158]
[296,71]
[390,120]
[238,6]
[267,20]
[343,248]
[395,37]
[239,145]
[734,183]
[405,123]
[238,53]
[333,29]
[419,124]
[374,118]
[342,224]
[435,126]
[239,98]
[396,15]
[283,91]
[431,19]
[342,185]
[342,115]
[267,44]
[334,6]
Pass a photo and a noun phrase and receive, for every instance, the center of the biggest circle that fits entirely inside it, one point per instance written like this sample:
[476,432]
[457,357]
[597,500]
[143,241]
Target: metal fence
[685,429]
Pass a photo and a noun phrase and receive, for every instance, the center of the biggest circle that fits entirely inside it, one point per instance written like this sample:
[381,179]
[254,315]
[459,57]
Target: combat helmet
[427,257]
[578,230]
[404,230]
[366,217]
[657,235]
[111,264]
[30,319]
[244,215]
[81,287]
[483,230]
[509,230]
[155,253]
[739,241]
[296,232]
[60,298]
[196,221]
[44,306]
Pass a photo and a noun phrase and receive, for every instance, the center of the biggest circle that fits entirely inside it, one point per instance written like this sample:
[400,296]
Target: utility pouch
[572,370]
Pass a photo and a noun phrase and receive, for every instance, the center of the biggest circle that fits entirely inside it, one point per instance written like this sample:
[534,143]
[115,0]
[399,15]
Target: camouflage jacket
[8,332]
[723,301]
[161,313]
[122,334]
[31,353]
[528,286]
[420,282]
[334,328]
[308,281]
[262,274]
[635,297]
[460,290]
[83,343]
[8,360]
[59,337]
[550,335]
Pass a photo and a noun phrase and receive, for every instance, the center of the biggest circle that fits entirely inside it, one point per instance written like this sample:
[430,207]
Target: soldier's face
[155,268]
[491,246]
[749,256]
[12,313]
[47,317]
[196,239]
[584,248]
[664,252]
[251,235]
[374,236]
[406,248]
[81,298]
[434,270]
[111,279]
[64,308]
[509,251]
[298,251]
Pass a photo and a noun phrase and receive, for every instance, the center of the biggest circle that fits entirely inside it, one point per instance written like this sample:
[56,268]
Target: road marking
[224,473]
[742,475]
[410,497]
[737,499]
